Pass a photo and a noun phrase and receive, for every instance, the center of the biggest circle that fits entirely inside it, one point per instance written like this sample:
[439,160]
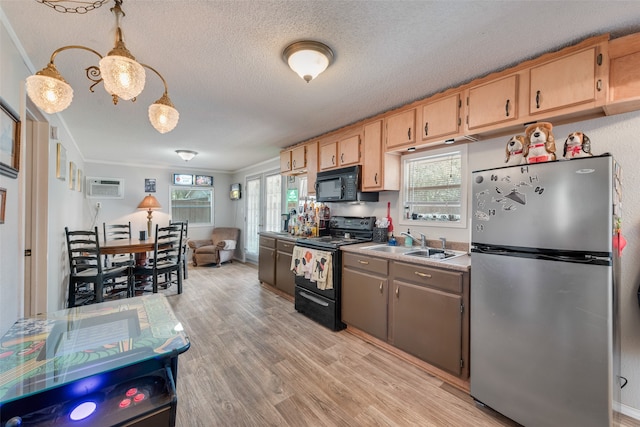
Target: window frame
[464,178]
[193,187]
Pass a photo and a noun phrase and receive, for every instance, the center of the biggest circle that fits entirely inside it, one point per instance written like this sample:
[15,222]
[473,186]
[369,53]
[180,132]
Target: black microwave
[341,185]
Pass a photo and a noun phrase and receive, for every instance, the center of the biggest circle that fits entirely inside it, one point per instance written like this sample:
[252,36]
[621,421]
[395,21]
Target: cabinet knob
[537,99]
[397,292]
[341,157]
[375,178]
[381,287]
[409,134]
[333,159]
[294,164]
[363,262]
[506,108]
[426,129]
[418,273]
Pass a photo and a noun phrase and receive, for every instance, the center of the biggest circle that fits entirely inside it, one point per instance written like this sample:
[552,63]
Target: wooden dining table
[128,246]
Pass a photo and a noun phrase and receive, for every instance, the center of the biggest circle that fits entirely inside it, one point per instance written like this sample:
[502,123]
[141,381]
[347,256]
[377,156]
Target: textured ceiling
[240,104]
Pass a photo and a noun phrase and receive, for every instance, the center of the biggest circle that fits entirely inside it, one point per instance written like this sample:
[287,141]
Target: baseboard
[629,411]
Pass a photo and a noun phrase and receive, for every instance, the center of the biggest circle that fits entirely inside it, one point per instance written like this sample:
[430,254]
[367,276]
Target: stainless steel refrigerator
[544,311]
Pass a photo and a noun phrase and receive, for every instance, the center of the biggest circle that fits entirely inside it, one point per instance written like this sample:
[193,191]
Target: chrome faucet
[444,243]
[423,241]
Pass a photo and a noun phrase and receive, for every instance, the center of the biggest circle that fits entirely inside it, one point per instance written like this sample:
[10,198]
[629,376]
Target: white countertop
[461,263]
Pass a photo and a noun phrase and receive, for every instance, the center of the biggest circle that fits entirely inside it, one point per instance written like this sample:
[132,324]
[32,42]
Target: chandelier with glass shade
[122,76]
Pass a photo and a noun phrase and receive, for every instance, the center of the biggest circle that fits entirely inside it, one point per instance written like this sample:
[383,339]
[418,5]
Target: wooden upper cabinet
[372,153]
[340,153]
[299,158]
[493,103]
[624,75]
[349,151]
[329,155]
[285,161]
[441,118]
[401,129]
[312,166]
[565,82]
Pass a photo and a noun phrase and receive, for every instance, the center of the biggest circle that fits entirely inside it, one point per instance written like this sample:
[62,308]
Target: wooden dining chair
[88,278]
[167,259]
[117,232]
[185,238]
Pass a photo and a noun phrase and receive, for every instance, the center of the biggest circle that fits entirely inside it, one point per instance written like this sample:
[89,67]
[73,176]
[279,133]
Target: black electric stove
[323,305]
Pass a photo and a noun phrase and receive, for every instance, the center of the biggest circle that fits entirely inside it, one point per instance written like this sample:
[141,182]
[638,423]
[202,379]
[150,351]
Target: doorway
[264,209]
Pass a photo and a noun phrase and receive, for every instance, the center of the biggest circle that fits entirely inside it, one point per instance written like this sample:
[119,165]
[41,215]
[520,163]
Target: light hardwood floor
[254,361]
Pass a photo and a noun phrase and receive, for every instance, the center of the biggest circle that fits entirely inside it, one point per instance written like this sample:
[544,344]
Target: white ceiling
[240,104]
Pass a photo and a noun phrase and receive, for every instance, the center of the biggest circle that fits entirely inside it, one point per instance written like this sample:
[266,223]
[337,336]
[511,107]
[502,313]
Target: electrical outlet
[98,205]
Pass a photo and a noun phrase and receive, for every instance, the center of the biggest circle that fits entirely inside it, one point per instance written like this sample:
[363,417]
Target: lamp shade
[49,91]
[122,76]
[149,202]
[308,58]
[163,115]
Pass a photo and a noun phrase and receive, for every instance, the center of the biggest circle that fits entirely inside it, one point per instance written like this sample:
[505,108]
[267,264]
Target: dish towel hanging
[314,265]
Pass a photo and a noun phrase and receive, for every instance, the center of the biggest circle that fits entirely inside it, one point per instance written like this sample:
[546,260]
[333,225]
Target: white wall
[124,210]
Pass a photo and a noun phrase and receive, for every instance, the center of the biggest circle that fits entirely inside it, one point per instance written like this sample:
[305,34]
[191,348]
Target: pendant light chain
[58,6]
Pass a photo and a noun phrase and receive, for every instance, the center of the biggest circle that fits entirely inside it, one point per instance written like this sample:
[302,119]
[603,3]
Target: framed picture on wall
[79,183]
[149,185]
[9,141]
[3,203]
[182,179]
[61,162]
[204,180]
[72,176]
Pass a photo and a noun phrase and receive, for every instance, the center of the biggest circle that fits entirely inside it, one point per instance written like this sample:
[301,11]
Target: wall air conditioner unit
[105,188]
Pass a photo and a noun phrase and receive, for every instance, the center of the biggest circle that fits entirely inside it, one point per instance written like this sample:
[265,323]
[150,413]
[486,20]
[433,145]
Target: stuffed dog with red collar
[541,145]
[577,145]
[515,150]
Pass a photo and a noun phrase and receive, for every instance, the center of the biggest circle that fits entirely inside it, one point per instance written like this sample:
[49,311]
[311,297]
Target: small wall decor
[3,203]
[204,180]
[72,175]
[9,141]
[235,192]
[182,179]
[79,183]
[149,185]
[61,162]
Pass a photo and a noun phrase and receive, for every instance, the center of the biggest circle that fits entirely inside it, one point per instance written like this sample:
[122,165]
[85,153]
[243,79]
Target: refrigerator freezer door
[541,340]
[563,205]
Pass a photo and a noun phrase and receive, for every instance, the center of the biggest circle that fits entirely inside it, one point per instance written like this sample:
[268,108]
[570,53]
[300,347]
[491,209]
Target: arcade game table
[108,364]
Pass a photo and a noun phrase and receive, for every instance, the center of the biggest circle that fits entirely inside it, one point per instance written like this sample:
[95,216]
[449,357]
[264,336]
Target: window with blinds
[434,186]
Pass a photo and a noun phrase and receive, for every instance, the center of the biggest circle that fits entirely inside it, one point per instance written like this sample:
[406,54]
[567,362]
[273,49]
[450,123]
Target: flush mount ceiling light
[186,155]
[122,76]
[308,58]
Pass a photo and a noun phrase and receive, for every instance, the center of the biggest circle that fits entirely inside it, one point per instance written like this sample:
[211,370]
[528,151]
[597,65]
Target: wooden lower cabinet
[418,309]
[274,263]
[267,260]
[285,279]
[365,293]
[427,323]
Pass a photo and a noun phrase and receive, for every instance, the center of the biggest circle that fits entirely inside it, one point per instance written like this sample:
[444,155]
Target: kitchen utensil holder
[379,235]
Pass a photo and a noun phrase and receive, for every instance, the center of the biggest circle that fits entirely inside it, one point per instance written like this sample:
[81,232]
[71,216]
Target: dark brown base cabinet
[267,260]
[365,294]
[285,279]
[274,263]
[420,310]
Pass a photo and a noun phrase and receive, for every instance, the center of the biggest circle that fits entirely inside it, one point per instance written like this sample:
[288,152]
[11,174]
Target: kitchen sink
[389,249]
[434,254]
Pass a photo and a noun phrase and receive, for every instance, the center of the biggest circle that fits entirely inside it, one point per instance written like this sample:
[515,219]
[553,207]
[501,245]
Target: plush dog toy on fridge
[541,145]
[515,150]
[577,145]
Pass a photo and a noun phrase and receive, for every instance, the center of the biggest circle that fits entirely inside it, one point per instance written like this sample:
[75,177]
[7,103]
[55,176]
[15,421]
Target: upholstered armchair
[220,248]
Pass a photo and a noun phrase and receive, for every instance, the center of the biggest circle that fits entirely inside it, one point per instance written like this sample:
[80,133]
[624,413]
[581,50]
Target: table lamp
[149,203]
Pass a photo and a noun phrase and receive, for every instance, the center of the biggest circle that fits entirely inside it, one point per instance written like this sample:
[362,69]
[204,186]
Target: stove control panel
[352,222]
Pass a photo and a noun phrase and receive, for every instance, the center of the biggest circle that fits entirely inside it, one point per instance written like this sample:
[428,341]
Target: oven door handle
[314,299]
